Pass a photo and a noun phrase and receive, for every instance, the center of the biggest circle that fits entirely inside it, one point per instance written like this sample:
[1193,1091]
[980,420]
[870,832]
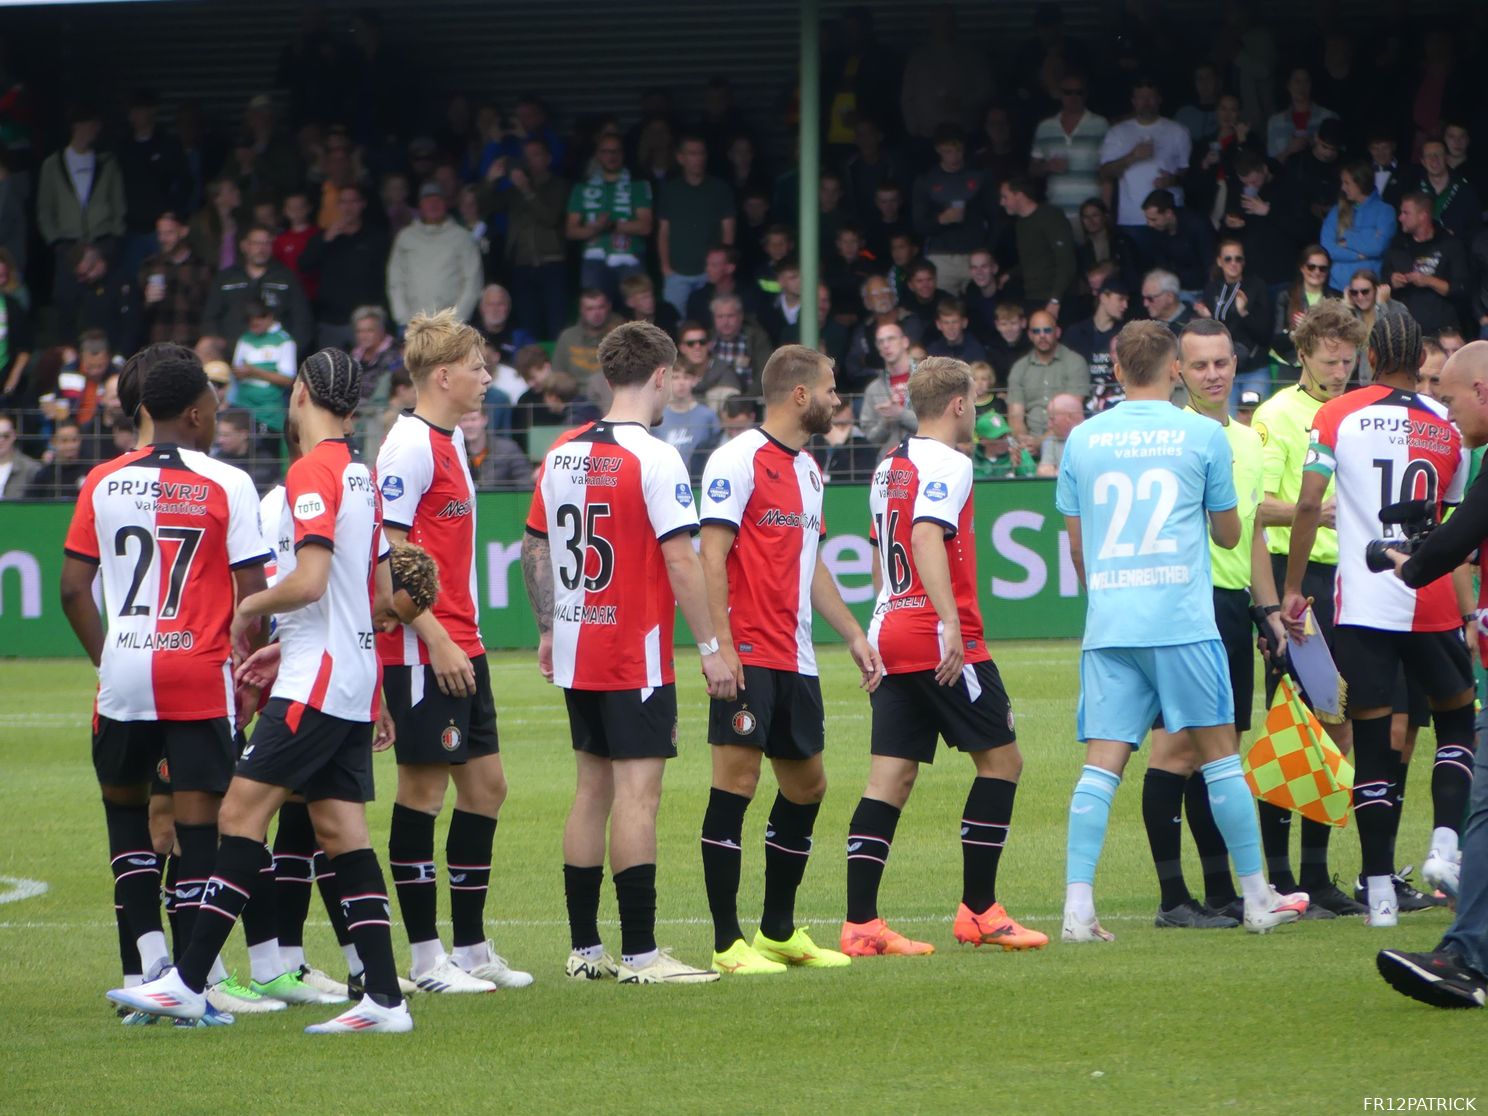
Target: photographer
[1455,974]
[1384,444]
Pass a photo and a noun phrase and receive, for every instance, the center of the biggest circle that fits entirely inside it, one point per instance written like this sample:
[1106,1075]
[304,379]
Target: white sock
[133,980]
[639,960]
[1255,889]
[591,953]
[153,954]
[470,957]
[1381,890]
[353,959]
[292,956]
[425,955]
[218,972]
[1079,900]
[264,961]
[1444,842]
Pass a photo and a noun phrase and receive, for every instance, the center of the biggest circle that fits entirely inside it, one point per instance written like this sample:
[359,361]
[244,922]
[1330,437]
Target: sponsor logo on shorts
[162,771]
[719,490]
[684,495]
[309,506]
[935,490]
[246,752]
[449,739]
[744,723]
[392,488]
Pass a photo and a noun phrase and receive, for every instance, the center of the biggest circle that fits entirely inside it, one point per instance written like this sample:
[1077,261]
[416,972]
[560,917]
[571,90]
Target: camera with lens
[1416,520]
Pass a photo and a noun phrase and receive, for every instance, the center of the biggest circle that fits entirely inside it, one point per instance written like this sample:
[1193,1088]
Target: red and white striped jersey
[772,497]
[427,490]
[1383,446]
[609,495]
[328,660]
[167,526]
[922,481]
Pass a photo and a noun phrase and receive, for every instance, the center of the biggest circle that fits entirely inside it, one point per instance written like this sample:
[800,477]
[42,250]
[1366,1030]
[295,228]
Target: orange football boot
[995,927]
[875,939]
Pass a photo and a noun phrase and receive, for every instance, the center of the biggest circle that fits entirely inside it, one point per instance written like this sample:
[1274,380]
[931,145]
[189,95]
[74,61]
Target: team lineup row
[609,549]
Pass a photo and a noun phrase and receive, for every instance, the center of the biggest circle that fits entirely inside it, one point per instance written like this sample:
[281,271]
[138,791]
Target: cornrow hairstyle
[139,366]
[1395,345]
[414,571]
[334,379]
[172,386]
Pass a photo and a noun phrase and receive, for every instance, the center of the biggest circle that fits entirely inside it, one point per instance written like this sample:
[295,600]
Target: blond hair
[432,340]
[1329,320]
[936,382]
[1144,350]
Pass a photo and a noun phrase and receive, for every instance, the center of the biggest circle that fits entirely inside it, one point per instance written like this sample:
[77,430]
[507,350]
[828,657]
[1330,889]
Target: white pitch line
[20,888]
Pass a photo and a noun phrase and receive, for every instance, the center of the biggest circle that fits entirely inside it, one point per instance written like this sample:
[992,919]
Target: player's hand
[545,655]
[949,670]
[260,668]
[240,635]
[245,705]
[1272,644]
[1470,633]
[453,669]
[1293,614]
[1328,514]
[386,732]
[869,664]
[721,681]
[731,660]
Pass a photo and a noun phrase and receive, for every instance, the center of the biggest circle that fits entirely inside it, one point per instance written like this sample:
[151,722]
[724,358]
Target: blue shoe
[210,1018]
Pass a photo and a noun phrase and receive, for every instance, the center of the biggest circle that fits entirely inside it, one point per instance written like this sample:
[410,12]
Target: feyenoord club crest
[450,738]
[743,723]
[162,770]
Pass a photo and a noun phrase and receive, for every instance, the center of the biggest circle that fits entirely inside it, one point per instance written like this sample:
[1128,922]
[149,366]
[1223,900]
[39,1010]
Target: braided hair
[138,368]
[1395,342]
[334,379]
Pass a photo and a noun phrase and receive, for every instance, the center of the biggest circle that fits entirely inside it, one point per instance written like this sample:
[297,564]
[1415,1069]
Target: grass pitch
[1160,1021]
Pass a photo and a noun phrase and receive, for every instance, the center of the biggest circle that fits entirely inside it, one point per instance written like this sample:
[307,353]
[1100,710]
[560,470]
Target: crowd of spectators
[1013,217]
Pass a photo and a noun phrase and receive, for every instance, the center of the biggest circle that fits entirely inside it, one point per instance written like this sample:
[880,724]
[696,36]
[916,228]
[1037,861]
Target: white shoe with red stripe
[367,1017]
[166,995]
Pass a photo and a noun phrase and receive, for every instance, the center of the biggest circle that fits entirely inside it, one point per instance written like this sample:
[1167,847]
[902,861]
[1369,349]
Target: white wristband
[709,648]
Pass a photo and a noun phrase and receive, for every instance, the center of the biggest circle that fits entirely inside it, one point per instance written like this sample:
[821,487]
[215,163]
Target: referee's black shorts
[1232,617]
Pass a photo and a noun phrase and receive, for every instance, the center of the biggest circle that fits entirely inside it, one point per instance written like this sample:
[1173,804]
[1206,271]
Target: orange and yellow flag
[1293,764]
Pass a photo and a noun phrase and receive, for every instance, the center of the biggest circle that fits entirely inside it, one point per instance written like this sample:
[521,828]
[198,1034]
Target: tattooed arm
[537,575]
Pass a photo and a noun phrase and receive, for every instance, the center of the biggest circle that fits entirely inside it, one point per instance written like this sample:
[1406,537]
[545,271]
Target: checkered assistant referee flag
[1293,764]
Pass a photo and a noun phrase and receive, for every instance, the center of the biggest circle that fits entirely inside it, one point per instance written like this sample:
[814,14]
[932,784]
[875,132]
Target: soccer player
[608,548]
[1135,487]
[761,522]
[940,680]
[1240,576]
[316,732]
[176,535]
[1382,445]
[1328,341]
[436,677]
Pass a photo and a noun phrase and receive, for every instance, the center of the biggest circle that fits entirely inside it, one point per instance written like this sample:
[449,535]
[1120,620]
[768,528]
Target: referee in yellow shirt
[1329,340]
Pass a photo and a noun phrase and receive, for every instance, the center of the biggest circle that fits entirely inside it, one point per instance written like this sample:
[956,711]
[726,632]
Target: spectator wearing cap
[997,455]
[1179,240]
[696,210]
[946,210]
[1312,176]
[350,257]
[434,263]
[1091,340]
[1142,153]
[173,285]
[1246,407]
[258,278]
[1045,274]
[1066,149]
[1264,210]
[1290,131]
[79,201]
[1242,303]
